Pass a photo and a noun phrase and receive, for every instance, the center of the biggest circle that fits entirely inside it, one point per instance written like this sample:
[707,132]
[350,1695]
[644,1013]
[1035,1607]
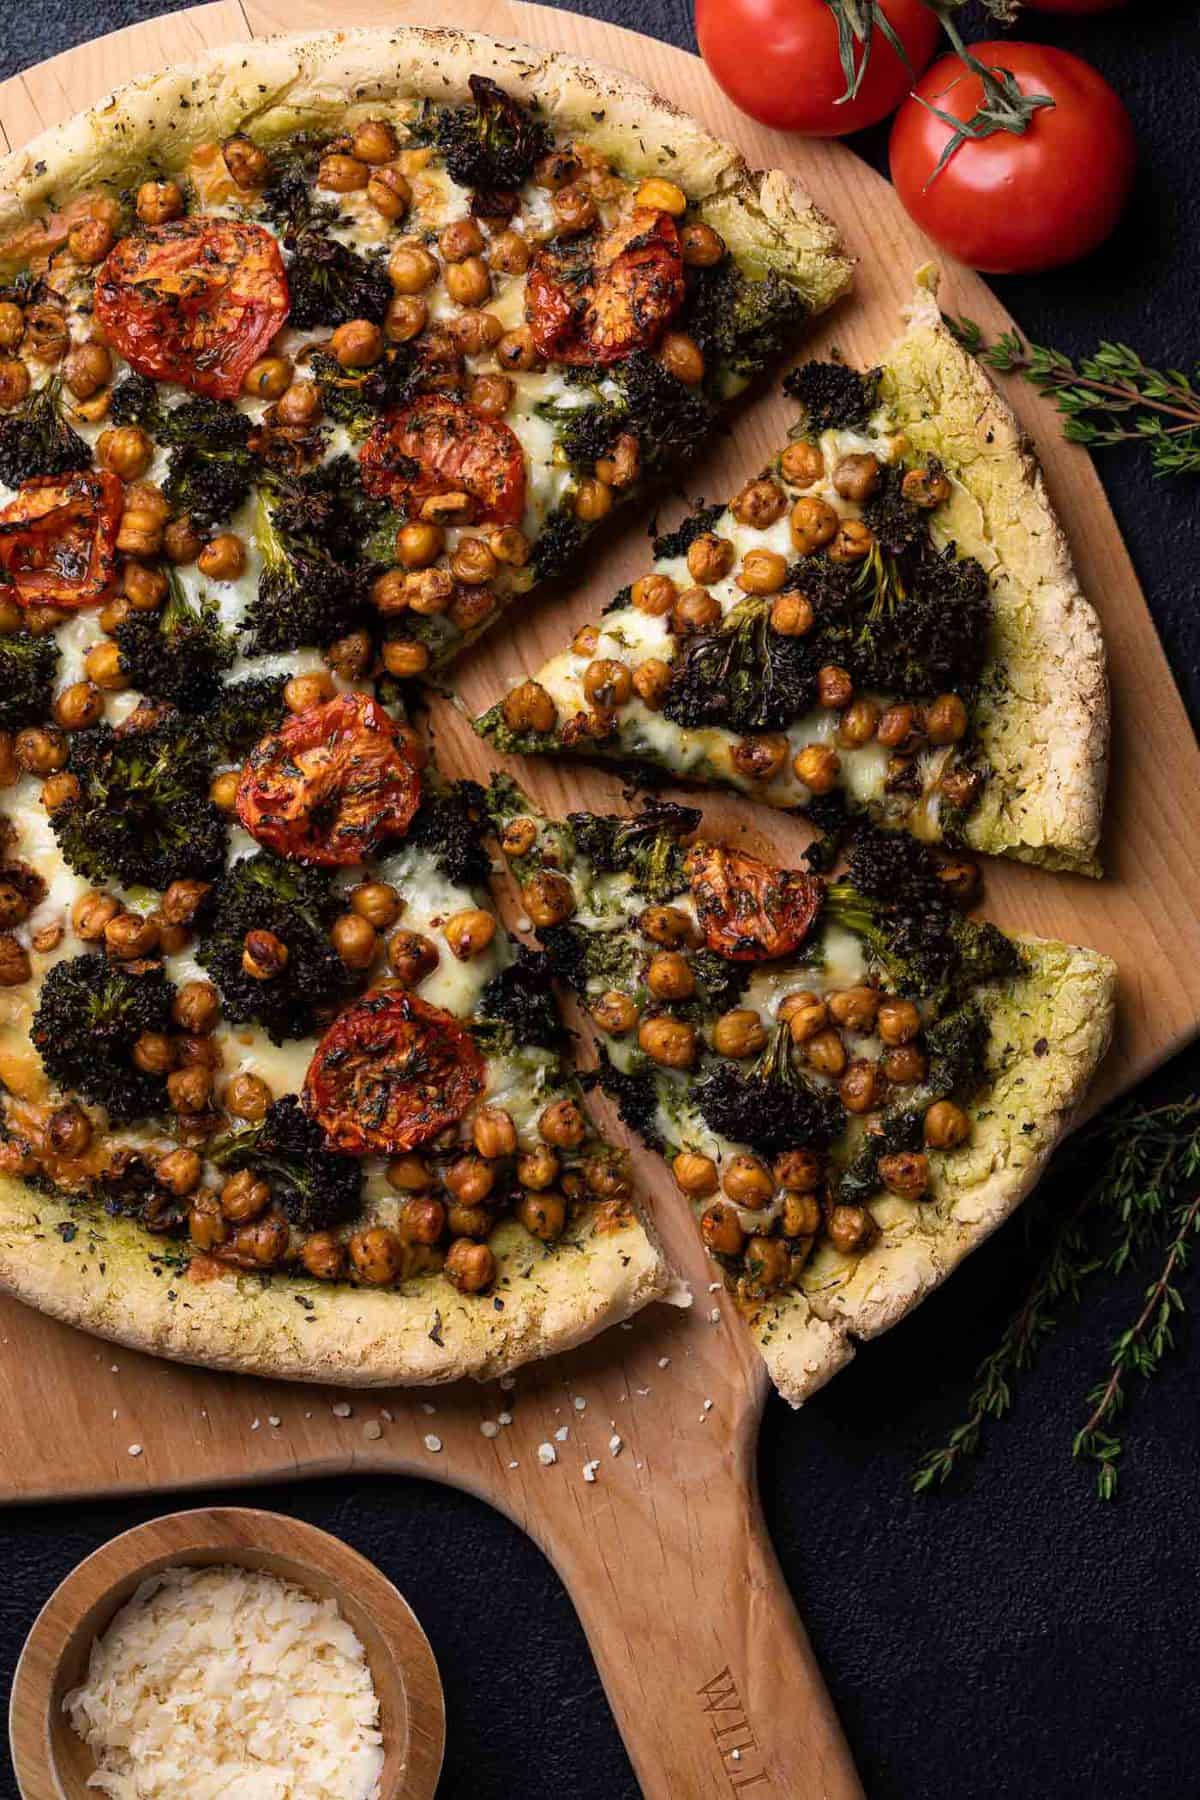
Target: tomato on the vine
[779,61]
[1014,203]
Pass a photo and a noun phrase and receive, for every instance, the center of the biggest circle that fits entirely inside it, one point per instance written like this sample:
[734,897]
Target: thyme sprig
[1111,397]
[1142,1196]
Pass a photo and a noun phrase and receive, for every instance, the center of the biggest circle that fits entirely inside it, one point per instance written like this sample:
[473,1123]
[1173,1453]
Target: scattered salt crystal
[664,1362]
[589,1470]
[274,1419]
[580,1403]
[425,1407]
[505,1418]
[385,1414]
[547,1454]
[342,1409]
[708,1406]
[490,1429]
[135,1449]
[562,1434]
[254,1424]
[373,1430]
[615,1445]
[433,1443]
[715,1315]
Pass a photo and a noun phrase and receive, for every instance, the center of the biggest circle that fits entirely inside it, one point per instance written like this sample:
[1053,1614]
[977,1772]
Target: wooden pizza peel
[665,1554]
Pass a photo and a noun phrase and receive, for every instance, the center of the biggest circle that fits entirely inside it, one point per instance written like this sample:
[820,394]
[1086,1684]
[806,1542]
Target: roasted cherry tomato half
[1012,204]
[439,446]
[331,784]
[748,910]
[391,1073]
[779,61]
[196,301]
[58,539]
[590,300]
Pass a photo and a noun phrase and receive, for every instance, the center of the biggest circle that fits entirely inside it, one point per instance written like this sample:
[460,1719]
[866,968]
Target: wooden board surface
[664,1553]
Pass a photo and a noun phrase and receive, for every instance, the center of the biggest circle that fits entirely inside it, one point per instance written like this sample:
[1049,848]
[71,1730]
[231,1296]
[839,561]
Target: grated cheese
[229,1684]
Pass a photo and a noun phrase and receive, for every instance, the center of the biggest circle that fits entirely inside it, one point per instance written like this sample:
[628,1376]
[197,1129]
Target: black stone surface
[1013,1637]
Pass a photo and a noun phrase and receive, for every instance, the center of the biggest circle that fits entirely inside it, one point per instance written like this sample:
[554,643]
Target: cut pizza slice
[394,319]
[855,1083]
[293,1104]
[886,620]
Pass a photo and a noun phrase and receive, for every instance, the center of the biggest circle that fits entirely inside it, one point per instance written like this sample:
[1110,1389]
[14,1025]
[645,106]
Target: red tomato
[330,785]
[778,60]
[748,910]
[438,445]
[195,301]
[595,302]
[58,539]
[1011,205]
[391,1073]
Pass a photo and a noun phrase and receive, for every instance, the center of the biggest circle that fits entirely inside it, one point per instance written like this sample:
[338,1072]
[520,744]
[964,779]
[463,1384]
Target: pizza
[884,621]
[469,296]
[854,1081]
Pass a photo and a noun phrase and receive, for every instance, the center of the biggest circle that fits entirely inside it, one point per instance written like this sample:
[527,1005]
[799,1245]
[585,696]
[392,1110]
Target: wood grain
[52,1763]
[664,1553]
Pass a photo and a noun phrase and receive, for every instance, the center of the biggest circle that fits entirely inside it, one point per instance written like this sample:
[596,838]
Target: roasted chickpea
[791,614]
[825,1052]
[801,1215]
[249,166]
[491,395]
[377,1255]
[196,1007]
[91,913]
[377,902]
[562,1125]
[835,688]
[207,1230]
[78,706]
[144,588]
[762,572]
[264,956]
[517,350]
[710,558]
[342,174]
[125,451]
[695,1175]
[945,719]
[351,656]
[130,936]
[405,657]
[814,524]
[58,791]
[223,558]
[510,547]
[651,679]
[179,1171]
[90,241]
[585,640]
[466,1221]
[695,610]
[682,357]
[374,141]
[946,1126]
[15,967]
[654,594]
[905,1173]
[354,940]
[460,239]
[768,1264]
[961,786]
[739,1033]
[139,534]
[855,1008]
[189,1090]
[469,932]
[103,667]
[798,1171]
[509,252]
[702,247]
[548,898]
[469,1267]
[614,1012]
[802,463]
[421,1220]
[904,1064]
[357,344]
[493,1133]
[14,382]
[468,282]
[669,926]
[748,1181]
[759,503]
[537,1168]
[850,1229]
[268,379]
[669,1042]
[897,728]
[861,1087]
[47,338]
[720,1229]
[529,707]
[856,477]
[593,501]
[854,542]
[898,1021]
[927,487]
[543,1215]
[409,1175]
[222,789]
[470,1179]
[411,268]
[670,977]
[261,1245]
[40,750]
[12,324]
[303,691]
[857,724]
[14,905]
[607,683]
[518,837]
[69,1133]
[574,210]
[159,201]
[87,369]
[154,1053]
[323,1256]
[182,540]
[411,957]
[622,463]
[818,766]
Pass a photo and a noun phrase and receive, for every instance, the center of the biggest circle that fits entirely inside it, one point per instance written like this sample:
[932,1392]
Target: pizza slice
[389,321]
[277,1091]
[854,1082]
[883,621]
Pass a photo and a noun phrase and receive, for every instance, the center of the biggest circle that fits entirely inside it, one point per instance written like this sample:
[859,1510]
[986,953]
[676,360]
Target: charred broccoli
[645,847]
[330,283]
[141,815]
[771,1106]
[561,537]
[317,1188]
[28,666]
[307,594]
[209,485]
[522,997]
[745,676]
[213,426]
[178,653]
[290,199]
[449,825]
[492,144]
[668,418]
[635,1095]
[90,1014]
[669,544]
[356,397]
[296,905]
[35,439]
[740,323]
[834,397]
[577,957]
[241,714]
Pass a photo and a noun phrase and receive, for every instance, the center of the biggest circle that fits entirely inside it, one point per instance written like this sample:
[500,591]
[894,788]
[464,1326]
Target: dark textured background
[1014,1636]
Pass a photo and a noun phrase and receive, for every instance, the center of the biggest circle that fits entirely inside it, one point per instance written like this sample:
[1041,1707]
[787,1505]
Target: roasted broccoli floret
[178,653]
[772,1105]
[296,905]
[522,997]
[668,418]
[330,283]
[720,982]
[561,536]
[317,1188]
[209,425]
[745,676]
[742,324]
[956,1050]
[635,1095]
[306,594]
[450,826]
[834,397]
[578,957]
[669,544]
[356,397]
[894,868]
[492,144]
[128,1188]
[209,485]
[91,1012]
[899,1129]
[142,815]
[35,439]
[645,847]
[290,198]
[28,666]
[241,714]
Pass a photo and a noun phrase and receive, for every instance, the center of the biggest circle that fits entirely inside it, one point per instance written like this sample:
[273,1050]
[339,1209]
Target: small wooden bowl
[52,1763]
